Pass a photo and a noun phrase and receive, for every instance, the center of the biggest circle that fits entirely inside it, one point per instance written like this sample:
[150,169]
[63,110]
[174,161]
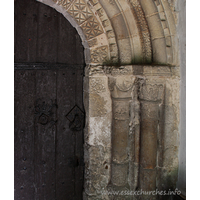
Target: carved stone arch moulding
[93,26]
[111,31]
[122,31]
[161,24]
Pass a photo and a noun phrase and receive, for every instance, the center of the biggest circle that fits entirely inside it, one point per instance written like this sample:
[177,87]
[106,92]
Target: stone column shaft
[151,98]
[121,92]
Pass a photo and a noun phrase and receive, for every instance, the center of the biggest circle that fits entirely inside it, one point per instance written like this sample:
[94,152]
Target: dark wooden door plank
[47,34]
[45,134]
[21,39]
[65,138]
[48,154]
[66,39]
[79,169]
[44,35]
[24,134]
[55,167]
[32,26]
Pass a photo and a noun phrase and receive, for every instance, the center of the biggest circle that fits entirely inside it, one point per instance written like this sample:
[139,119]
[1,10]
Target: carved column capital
[151,92]
[121,86]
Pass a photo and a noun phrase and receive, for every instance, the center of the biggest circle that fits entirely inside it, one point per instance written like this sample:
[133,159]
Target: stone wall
[132,131]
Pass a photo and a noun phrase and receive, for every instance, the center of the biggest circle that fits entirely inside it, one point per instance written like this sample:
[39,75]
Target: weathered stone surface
[100,131]
[157,71]
[170,135]
[148,153]
[120,27]
[119,174]
[147,179]
[120,140]
[122,70]
[152,92]
[154,119]
[137,70]
[170,156]
[97,105]
[98,138]
[97,85]
[166,178]
[125,51]
[124,83]
[121,86]
[121,110]
[170,114]
[98,173]
[149,110]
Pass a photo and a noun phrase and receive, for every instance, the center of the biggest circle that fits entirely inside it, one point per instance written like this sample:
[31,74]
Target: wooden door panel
[79,139]
[45,133]
[44,35]
[65,137]
[48,143]
[48,153]
[21,35]
[47,34]
[24,134]
[31,31]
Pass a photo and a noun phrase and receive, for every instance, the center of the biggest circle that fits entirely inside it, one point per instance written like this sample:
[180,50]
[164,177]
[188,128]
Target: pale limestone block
[172,87]
[110,8]
[170,157]
[100,131]
[120,174]
[167,177]
[137,48]
[100,40]
[120,27]
[124,50]
[124,4]
[171,135]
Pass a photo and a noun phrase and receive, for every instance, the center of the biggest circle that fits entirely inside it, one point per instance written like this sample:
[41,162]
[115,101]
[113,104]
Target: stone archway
[126,41]
[127,31]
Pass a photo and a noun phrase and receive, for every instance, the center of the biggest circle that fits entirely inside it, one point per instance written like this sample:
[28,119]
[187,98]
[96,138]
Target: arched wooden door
[49,113]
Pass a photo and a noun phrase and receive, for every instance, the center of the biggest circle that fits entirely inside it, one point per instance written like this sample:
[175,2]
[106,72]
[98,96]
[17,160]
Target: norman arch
[127,31]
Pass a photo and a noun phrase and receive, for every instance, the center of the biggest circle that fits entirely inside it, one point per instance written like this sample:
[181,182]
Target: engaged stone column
[122,87]
[151,98]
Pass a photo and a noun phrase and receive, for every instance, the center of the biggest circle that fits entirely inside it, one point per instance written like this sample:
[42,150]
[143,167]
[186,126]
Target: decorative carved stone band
[99,55]
[145,35]
[99,35]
